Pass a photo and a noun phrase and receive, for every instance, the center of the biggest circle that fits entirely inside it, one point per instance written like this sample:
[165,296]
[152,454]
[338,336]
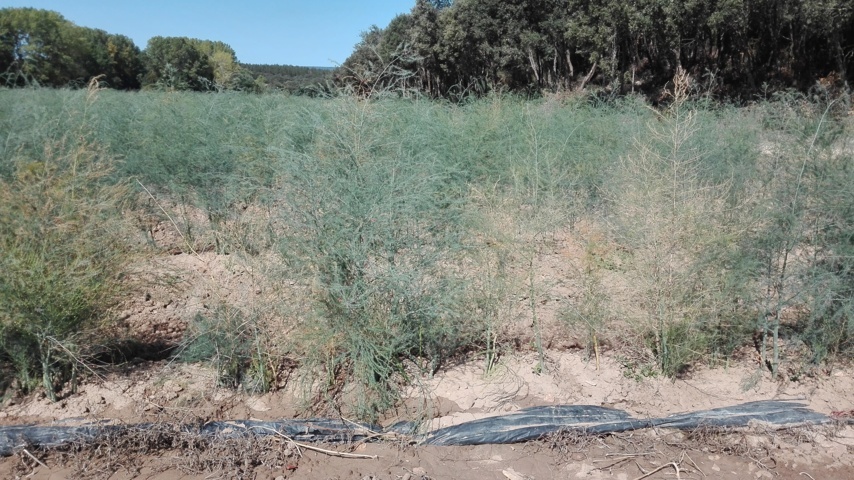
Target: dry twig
[685,455]
[318,449]
[671,464]
[34,458]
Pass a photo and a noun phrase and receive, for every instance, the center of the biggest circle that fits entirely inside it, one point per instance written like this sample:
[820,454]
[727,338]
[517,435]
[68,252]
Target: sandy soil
[169,392]
[161,392]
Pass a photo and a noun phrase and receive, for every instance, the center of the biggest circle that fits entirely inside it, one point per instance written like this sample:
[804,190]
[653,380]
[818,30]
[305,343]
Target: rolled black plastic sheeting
[537,422]
[773,412]
[12,438]
[313,430]
[316,430]
[521,426]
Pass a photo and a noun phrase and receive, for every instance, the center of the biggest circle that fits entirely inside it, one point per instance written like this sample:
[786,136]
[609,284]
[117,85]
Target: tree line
[736,47]
[292,79]
[42,48]
[446,48]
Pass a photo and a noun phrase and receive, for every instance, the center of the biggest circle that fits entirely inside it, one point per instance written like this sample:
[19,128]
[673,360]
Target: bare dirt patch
[634,456]
[169,394]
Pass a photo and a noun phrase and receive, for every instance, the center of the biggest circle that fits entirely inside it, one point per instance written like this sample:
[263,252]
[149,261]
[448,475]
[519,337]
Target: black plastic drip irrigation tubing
[521,426]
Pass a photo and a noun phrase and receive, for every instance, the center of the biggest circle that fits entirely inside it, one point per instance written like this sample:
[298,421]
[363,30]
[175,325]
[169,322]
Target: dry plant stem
[759,462]
[629,455]
[807,474]
[174,223]
[671,464]
[372,434]
[318,449]
[76,359]
[34,458]
[541,366]
[685,455]
[612,464]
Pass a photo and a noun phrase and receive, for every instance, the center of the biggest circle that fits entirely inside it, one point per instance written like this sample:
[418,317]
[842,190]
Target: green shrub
[412,224]
[63,256]
[674,210]
[802,244]
[377,233]
[236,346]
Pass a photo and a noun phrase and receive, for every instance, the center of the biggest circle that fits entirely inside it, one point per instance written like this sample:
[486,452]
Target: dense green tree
[115,57]
[482,43]
[732,47]
[424,41]
[125,62]
[223,60]
[396,36]
[40,47]
[360,69]
[384,61]
[177,63]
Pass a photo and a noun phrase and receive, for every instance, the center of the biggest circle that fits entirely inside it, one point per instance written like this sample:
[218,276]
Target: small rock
[280,477]
[419,471]
[407,476]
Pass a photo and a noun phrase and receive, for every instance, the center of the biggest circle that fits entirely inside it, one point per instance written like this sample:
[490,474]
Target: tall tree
[424,38]
[115,57]
[383,62]
[177,63]
[39,47]
[125,62]
[223,60]
[440,4]
[482,43]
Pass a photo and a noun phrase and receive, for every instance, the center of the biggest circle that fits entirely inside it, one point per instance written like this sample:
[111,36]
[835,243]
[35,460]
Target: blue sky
[309,32]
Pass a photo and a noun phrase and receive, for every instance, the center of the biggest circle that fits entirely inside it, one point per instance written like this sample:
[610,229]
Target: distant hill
[292,78]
